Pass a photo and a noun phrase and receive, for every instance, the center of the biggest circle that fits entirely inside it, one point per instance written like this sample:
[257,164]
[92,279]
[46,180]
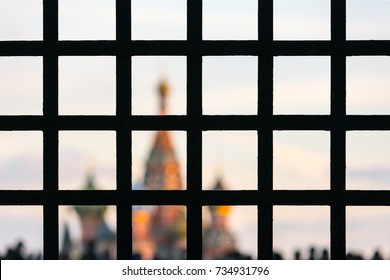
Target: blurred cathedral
[159,232]
[98,241]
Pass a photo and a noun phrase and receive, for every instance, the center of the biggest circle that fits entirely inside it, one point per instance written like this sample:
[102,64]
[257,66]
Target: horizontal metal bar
[183,48]
[276,122]
[249,197]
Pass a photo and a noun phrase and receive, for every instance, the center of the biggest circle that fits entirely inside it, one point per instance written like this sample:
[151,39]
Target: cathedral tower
[162,167]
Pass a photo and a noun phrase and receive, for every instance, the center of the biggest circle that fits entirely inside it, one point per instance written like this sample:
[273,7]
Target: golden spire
[163,89]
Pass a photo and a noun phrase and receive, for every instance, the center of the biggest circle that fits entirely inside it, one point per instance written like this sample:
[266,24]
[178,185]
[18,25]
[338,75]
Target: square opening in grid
[368,163]
[159,85]
[86,19]
[87,85]
[302,232]
[368,20]
[229,85]
[87,232]
[368,85]
[229,157]
[159,20]
[21,20]
[21,232]
[301,85]
[229,232]
[87,160]
[302,19]
[301,160]
[21,161]
[230,20]
[159,232]
[159,160]
[368,232]
[21,85]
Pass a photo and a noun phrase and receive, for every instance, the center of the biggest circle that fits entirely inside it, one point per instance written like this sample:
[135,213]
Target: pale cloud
[21,20]
[230,20]
[301,160]
[87,85]
[373,178]
[302,85]
[232,155]
[232,101]
[22,172]
[86,19]
[367,159]
[368,229]
[223,27]
[80,152]
[232,90]
[159,20]
[302,20]
[368,20]
[368,86]
[21,85]
[18,156]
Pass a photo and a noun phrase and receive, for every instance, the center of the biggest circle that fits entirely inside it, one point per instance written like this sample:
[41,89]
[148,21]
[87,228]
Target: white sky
[301,86]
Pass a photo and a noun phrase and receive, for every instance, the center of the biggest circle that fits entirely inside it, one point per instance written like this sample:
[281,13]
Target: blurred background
[301,158]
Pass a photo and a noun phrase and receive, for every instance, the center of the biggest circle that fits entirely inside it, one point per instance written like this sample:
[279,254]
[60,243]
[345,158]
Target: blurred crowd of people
[18,252]
[323,254]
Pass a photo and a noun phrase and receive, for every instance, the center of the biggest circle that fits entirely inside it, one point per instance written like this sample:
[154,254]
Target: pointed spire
[163,89]
[90,210]
[220,210]
[90,185]
[90,181]
[162,167]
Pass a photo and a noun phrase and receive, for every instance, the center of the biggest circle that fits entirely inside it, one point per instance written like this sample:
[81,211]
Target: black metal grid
[123,48]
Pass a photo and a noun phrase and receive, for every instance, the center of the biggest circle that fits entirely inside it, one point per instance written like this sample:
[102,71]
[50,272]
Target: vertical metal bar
[338,20]
[265,20]
[265,137]
[338,137]
[124,214]
[123,158]
[194,188]
[338,87]
[194,158]
[50,21]
[194,21]
[337,211]
[123,136]
[194,137]
[50,185]
[123,21]
[265,181]
[50,136]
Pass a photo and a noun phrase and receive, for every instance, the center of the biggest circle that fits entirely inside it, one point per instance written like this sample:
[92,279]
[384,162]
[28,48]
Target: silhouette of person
[297,255]
[90,253]
[324,255]
[15,253]
[377,256]
[312,254]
